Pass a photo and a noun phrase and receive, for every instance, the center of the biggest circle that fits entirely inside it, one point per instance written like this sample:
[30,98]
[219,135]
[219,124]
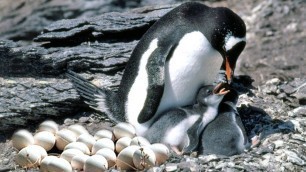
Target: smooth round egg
[95,163]
[28,157]
[109,155]
[59,165]
[45,139]
[124,159]
[144,158]
[103,143]
[78,129]
[78,161]
[104,134]
[64,137]
[22,139]
[122,143]
[87,139]
[124,129]
[78,145]
[41,150]
[140,141]
[161,151]
[44,163]
[70,153]
[48,125]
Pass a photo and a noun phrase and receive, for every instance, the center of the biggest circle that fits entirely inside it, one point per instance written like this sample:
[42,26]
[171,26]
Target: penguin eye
[208,91]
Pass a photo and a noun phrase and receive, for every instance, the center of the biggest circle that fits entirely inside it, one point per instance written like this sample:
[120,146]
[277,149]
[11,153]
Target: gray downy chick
[225,135]
[180,128]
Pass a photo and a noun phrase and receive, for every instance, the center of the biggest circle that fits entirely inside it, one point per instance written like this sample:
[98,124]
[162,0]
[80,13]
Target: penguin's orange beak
[229,69]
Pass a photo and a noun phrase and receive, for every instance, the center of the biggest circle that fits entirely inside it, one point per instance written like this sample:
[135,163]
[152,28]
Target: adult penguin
[190,46]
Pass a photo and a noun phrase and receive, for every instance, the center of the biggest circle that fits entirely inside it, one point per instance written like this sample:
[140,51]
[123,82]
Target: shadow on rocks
[257,121]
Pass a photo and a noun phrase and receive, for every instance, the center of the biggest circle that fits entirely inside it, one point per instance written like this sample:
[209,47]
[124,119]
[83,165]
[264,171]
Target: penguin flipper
[156,71]
[194,133]
[96,98]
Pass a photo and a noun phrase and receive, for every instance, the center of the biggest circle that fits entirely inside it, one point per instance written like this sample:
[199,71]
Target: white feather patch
[138,93]
[231,41]
[194,62]
[177,136]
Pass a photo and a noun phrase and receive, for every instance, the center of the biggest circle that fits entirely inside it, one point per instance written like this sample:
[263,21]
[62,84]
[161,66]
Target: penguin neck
[228,106]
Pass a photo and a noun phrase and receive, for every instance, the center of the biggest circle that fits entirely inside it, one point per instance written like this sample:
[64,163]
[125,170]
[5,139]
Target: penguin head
[208,97]
[228,37]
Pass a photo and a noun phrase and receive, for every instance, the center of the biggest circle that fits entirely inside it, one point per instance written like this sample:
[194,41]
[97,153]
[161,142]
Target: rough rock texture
[33,86]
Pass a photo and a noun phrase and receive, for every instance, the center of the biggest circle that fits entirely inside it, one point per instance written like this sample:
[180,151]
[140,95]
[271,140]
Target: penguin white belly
[177,136]
[194,63]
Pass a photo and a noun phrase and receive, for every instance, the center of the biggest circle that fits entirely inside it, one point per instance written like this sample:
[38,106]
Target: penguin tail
[97,98]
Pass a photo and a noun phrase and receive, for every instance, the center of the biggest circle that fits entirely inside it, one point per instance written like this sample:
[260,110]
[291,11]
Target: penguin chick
[225,135]
[178,127]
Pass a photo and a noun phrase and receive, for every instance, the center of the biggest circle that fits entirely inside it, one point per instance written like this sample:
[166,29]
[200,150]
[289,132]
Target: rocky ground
[270,74]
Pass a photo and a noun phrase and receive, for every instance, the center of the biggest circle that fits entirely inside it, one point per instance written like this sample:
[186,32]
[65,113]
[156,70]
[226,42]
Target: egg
[64,137]
[22,139]
[41,150]
[78,145]
[122,143]
[109,155]
[161,151]
[78,161]
[78,129]
[28,157]
[104,134]
[140,141]
[144,158]
[124,130]
[87,139]
[59,165]
[124,159]
[103,143]
[48,125]
[45,162]
[95,163]
[45,139]
[70,153]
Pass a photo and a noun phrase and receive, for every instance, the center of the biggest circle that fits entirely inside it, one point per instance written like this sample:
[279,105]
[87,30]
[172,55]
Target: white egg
[103,143]
[45,139]
[87,139]
[140,141]
[44,163]
[22,139]
[109,155]
[78,129]
[95,163]
[161,151]
[124,130]
[144,158]
[41,150]
[122,143]
[49,125]
[28,157]
[70,153]
[78,161]
[64,137]
[104,134]
[59,165]
[124,159]
[78,145]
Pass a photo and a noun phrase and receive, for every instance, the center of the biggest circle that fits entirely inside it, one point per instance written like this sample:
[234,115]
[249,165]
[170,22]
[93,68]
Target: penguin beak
[229,69]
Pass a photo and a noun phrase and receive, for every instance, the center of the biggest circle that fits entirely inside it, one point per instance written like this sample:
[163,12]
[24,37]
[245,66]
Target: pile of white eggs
[120,149]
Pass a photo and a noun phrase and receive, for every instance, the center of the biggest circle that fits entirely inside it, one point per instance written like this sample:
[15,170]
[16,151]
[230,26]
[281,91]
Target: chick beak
[229,69]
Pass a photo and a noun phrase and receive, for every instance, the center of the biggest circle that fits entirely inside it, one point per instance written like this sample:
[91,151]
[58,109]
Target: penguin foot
[255,141]
[176,150]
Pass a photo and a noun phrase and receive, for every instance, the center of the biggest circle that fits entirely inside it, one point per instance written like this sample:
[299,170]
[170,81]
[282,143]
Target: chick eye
[208,91]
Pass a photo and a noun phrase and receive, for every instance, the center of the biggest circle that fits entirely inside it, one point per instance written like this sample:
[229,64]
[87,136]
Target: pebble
[293,158]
